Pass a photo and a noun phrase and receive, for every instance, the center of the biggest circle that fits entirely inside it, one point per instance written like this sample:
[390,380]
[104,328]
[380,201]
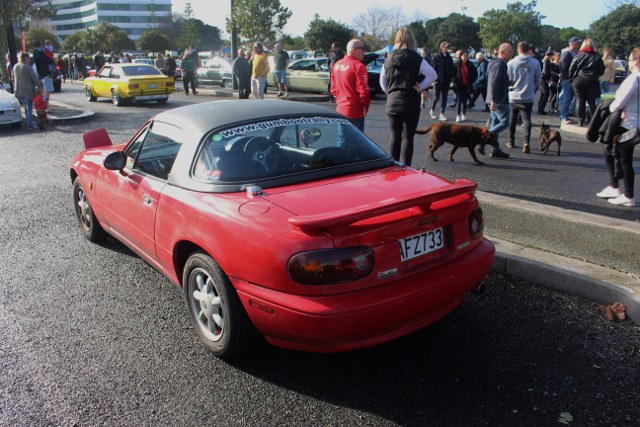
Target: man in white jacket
[524,75]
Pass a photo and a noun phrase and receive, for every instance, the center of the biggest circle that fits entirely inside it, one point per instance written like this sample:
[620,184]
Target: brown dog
[547,136]
[458,136]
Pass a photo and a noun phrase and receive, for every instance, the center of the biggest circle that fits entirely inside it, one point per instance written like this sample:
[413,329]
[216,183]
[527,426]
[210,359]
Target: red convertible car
[281,219]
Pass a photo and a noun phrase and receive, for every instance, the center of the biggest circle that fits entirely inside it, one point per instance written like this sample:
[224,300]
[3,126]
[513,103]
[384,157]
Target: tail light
[170,84]
[476,223]
[331,266]
[134,86]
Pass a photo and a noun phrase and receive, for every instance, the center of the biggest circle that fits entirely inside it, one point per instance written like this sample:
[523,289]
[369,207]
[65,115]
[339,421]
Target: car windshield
[140,70]
[281,147]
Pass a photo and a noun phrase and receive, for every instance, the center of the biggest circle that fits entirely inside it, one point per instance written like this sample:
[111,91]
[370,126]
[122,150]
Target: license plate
[421,244]
[152,86]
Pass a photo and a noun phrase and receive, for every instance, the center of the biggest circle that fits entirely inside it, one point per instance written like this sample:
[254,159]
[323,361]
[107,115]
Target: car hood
[6,98]
[341,202]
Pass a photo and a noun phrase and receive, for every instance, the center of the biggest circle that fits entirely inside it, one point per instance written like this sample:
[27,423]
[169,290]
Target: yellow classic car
[125,83]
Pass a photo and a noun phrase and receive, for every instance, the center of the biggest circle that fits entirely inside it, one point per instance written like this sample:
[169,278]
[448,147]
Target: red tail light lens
[134,86]
[170,84]
[476,223]
[331,266]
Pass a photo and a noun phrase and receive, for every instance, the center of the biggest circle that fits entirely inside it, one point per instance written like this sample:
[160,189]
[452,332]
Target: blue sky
[559,13]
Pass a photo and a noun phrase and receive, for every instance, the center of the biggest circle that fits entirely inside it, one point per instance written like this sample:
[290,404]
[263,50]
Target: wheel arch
[183,250]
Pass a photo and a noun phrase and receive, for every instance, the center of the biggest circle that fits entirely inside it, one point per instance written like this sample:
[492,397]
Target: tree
[209,36]
[550,38]
[374,25]
[258,20]
[619,30]
[292,43]
[460,31]
[40,34]
[567,33]
[153,40]
[430,30]
[322,33]
[514,24]
[417,29]
[104,37]
[189,35]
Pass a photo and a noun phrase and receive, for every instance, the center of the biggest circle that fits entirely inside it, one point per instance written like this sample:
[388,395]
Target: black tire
[216,312]
[228,83]
[115,98]
[89,94]
[89,225]
[163,100]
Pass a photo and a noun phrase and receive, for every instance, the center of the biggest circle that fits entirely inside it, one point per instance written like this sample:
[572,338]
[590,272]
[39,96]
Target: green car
[305,75]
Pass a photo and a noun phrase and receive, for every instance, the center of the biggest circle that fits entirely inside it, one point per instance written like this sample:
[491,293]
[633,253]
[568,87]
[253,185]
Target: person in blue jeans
[26,81]
[567,96]
[498,96]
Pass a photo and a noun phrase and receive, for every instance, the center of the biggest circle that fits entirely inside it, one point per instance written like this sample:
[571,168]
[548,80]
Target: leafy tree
[618,30]
[209,36]
[567,33]
[460,31]
[258,20]
[417,28]
[40,34]
[514,24]
[431,30]
[189,35]
[153,40]
[322,33]
[292,43]
[104,37]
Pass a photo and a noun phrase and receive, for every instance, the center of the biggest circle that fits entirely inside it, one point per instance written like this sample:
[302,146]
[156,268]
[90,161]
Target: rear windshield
[140,70]
[281,147]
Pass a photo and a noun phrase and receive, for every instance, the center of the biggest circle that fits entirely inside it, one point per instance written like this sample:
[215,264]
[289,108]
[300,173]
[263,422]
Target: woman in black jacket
[464,76]
[584,72]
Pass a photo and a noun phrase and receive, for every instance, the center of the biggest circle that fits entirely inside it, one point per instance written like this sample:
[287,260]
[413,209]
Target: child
[41,109]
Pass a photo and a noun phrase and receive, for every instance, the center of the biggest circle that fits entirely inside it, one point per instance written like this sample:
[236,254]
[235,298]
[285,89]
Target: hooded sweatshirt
[402,69]
[524,75]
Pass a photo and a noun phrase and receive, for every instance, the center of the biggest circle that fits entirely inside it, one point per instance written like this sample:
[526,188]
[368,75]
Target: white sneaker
[458,120]
[433,115]
[609,193]
[623,200]
[463,118]
[442,118]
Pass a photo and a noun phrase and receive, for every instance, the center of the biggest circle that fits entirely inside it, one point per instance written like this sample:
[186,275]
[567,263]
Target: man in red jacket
[349,84]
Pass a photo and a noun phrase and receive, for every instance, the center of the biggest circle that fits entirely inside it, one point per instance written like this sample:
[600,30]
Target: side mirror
[115,161]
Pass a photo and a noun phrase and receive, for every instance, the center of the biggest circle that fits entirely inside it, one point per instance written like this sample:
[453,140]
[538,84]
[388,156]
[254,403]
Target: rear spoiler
[96,138]
[347,217]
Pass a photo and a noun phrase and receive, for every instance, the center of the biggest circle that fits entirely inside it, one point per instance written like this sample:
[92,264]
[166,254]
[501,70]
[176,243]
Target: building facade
[132,16]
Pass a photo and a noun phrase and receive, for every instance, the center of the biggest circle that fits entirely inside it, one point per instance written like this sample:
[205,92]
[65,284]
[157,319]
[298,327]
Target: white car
[10,113]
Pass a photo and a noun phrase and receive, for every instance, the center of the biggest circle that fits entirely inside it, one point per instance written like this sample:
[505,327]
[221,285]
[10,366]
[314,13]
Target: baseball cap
[575,40]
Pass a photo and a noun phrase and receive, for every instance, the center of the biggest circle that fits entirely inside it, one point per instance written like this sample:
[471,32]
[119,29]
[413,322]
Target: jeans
[28,110]
[605,86]
[566,98]
[586,92]
[258,86]
[440,89]
[462,98]
[619,165]
[403,129]
[525,109]
[359,123]
[499,120]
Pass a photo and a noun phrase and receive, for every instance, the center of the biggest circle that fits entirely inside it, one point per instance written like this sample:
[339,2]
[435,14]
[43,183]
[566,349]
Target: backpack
[187,64]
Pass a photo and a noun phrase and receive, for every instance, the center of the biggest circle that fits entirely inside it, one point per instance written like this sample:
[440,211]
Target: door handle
[147,200]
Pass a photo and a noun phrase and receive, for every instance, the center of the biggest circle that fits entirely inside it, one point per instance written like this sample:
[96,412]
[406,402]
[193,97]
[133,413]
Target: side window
[105,71]
[157,151]
[133,149]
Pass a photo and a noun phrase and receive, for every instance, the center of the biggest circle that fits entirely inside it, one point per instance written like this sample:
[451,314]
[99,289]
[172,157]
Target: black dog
[458,136]
[547,136]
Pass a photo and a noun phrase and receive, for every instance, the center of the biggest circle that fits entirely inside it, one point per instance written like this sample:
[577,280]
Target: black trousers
[244,89]
[586,93]
[477,91]
[619,165]
[403,129]
[462,97]
[440,89]
[544,96]
[525,109]
[553,100]
[189,78]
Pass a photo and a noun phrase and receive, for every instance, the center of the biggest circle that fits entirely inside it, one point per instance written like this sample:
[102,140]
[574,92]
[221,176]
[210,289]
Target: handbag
[632,136]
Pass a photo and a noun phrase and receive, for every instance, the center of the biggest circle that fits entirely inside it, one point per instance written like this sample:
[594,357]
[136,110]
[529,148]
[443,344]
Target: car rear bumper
[364,318]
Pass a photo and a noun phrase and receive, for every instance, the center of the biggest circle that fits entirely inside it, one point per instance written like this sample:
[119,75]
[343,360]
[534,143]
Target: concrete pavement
[588,255]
